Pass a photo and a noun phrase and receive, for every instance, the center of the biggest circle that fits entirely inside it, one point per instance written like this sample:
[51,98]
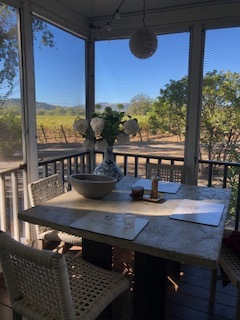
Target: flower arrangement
[105,128]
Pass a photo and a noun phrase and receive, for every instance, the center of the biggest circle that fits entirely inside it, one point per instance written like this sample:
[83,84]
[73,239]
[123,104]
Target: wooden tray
[147,197]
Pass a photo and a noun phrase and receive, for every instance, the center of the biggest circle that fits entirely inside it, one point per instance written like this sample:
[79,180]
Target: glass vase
[108,166]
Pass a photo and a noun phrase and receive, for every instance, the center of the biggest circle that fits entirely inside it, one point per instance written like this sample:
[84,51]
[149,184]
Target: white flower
[80,125]
[123,138]
[88,144]
[101,144]
[97,124]
[131,127]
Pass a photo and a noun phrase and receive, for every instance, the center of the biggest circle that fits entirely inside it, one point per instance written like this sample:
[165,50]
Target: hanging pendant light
[143,42]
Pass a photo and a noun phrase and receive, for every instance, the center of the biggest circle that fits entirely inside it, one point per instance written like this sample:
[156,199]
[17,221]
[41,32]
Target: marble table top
[178,240]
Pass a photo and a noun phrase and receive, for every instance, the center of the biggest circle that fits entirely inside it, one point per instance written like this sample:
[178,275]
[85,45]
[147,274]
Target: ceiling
[100,8]
[91,18]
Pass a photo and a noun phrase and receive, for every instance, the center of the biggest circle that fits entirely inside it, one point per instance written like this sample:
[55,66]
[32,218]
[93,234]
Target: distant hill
[47,106]
[12,103]
[40,105]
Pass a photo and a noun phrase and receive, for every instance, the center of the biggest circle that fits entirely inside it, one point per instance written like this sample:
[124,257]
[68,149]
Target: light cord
[144,13]
[115,14]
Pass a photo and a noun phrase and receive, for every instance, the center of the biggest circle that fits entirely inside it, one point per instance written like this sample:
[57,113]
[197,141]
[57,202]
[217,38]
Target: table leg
[97,253]
[150,287]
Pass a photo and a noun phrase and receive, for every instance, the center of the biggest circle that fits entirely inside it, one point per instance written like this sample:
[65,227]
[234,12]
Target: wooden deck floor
[190,302]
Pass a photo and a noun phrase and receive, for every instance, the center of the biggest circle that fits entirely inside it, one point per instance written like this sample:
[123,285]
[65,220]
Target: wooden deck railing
[14,192]
[13,182]
[13,198]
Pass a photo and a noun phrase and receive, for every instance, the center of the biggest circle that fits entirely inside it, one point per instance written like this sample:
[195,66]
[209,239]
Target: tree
[10,135]
[98,107]
[120,106]
[140,105]
[170,108]
[10,123]
[220,119]
[9,63]
[220,129]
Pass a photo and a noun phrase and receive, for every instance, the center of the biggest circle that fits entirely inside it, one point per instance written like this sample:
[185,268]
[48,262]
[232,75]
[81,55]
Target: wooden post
[64,135]
[43,132]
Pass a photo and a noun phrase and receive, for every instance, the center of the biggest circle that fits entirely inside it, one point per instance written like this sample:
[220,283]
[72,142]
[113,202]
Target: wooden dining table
[165,233]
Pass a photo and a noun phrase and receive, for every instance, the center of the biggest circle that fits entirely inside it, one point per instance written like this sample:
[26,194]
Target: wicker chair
[230,264]
[165,172]
[47,285]
[39,192]
[229,261]
[170,173]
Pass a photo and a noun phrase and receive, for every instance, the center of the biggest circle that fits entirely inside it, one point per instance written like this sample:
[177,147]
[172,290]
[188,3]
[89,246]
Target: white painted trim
[13,3]
[170,21]
[53,12]
[180,18]
[62,16]
[30,149]
[194,103]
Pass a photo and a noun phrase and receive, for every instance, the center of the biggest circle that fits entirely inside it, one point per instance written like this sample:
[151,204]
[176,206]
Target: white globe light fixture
[143,42]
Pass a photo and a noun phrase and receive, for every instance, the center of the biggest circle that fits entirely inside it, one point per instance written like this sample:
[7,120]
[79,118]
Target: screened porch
[98,45]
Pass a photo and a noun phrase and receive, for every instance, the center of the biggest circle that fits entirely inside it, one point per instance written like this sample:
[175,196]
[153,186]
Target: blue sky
[60,76]
[120,75]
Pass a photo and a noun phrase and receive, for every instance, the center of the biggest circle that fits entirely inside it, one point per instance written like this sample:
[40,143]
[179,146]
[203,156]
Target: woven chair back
[165,172]
[37,281]
[45,189]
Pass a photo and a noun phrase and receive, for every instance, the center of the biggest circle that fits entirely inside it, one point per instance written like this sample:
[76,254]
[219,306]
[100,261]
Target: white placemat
[163,186]
[203,212]
[109,224]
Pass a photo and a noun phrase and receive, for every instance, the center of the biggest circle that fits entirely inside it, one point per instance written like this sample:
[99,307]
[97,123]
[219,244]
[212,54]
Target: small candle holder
[137,192]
